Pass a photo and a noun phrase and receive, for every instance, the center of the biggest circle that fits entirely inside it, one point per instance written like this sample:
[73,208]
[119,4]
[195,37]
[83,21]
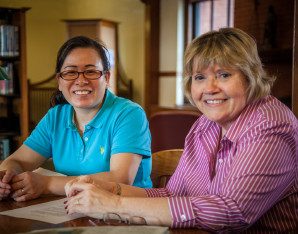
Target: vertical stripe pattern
[246,181]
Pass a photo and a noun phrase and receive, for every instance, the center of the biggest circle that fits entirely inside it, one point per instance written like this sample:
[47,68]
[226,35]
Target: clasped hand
[21,187]
[90,198]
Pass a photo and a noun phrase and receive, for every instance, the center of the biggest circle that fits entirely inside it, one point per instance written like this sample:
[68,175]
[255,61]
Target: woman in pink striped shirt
[238,171]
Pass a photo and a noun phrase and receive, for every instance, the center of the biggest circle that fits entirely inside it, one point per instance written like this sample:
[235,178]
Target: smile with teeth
[217,101]
[82,92]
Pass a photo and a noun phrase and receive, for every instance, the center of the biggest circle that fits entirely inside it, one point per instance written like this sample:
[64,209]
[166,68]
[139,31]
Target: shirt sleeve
[131,132]
[263,171]
[40,138]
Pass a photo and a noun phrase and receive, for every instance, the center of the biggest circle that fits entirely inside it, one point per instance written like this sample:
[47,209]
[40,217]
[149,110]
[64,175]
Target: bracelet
[118,189]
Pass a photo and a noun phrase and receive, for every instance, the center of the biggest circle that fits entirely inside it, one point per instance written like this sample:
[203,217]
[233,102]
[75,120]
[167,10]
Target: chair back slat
[164,164]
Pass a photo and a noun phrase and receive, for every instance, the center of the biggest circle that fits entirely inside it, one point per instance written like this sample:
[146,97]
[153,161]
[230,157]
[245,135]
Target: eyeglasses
[88,74]
[116,219]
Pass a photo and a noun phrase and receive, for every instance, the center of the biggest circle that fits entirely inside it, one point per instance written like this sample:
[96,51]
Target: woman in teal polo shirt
[88,130]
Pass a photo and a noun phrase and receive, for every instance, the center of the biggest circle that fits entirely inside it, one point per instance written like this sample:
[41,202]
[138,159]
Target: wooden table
[15,225]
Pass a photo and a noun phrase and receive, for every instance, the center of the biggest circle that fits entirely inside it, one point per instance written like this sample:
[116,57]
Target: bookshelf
[14,120]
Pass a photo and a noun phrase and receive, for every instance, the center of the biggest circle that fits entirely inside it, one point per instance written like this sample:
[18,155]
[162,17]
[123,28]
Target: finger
[18,177]
[4,185]
[8,176]
[82,179]
[4,192]
[75,205]
[17,185]
[68,186]
[18,193]
[78,187]
[2,173]
[25,197]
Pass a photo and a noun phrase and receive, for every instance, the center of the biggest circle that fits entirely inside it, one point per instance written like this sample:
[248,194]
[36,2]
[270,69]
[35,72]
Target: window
[202,16]
[205,15]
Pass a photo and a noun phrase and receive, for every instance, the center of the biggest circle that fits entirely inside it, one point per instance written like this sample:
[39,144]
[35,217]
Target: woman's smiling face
[83,93]
[219,93]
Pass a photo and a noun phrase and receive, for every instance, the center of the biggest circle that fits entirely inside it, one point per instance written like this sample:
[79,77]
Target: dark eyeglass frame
[116,219]
[100,74]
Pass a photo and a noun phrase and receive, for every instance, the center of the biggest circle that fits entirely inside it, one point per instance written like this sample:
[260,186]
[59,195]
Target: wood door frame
[152,28]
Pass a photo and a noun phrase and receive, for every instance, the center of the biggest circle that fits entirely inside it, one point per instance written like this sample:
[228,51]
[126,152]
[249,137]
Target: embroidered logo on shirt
[102,150]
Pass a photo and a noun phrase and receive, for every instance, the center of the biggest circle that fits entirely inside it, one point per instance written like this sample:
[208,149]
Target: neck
[82,118]
[223,132]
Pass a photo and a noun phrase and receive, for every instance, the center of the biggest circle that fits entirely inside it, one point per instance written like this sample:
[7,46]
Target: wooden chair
[164,164]
[169,128]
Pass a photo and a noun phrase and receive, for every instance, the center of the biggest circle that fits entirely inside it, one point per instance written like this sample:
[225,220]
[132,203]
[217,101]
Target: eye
[198,77]
[91,72]
[224,75]
[69,73]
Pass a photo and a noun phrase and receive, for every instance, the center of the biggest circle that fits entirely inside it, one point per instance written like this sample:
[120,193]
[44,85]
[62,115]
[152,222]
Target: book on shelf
[4,148]
[9,40]
[7,86]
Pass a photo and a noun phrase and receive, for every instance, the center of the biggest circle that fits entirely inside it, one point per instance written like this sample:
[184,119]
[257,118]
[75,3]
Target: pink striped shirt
[246,180]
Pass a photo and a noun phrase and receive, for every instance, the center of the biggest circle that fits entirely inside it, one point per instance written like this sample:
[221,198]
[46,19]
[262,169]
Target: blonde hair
[228,47]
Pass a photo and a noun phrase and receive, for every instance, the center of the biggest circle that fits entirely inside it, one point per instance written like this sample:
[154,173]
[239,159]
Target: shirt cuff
[182,212]
[154,192]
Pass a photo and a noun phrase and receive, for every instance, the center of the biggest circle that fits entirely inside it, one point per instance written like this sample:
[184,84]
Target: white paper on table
[46,172]
[50,212]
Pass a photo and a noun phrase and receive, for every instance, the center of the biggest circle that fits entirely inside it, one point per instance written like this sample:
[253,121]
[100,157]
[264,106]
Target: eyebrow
[73,66]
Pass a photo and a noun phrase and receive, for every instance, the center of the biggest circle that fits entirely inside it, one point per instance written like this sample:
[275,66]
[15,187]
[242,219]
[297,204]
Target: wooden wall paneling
[24,80]
[152,21]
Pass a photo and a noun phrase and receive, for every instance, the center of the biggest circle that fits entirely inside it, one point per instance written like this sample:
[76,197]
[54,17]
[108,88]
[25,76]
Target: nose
[211,85]
[81,79]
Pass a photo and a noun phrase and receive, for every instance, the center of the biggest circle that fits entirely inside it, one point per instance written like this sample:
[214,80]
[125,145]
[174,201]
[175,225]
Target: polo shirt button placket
[82,154]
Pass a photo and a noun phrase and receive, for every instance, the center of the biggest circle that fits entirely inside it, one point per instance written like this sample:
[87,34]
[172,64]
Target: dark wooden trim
[24,80]
[152,21]
[295,62]
[168,73]
[186,24]
[45,81]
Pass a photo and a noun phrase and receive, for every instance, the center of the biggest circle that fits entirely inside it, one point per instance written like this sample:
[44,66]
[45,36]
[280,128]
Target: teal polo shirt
[120,126]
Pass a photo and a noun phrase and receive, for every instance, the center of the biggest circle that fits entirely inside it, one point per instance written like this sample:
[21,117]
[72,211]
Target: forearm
[12,165]
[146,208]
[130,191]
[110,177]
[55,184]
[117,187]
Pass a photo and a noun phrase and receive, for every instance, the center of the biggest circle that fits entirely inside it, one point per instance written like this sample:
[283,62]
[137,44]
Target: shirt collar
[108,102]
[244,121]
[239,126]
[95,122]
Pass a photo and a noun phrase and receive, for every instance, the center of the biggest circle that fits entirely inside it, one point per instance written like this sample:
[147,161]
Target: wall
[252,17]
[46,32]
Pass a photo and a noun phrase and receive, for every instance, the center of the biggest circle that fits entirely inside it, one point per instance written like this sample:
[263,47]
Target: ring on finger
[78,201]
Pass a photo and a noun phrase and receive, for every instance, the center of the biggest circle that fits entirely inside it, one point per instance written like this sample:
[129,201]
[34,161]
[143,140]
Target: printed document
[50,212]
